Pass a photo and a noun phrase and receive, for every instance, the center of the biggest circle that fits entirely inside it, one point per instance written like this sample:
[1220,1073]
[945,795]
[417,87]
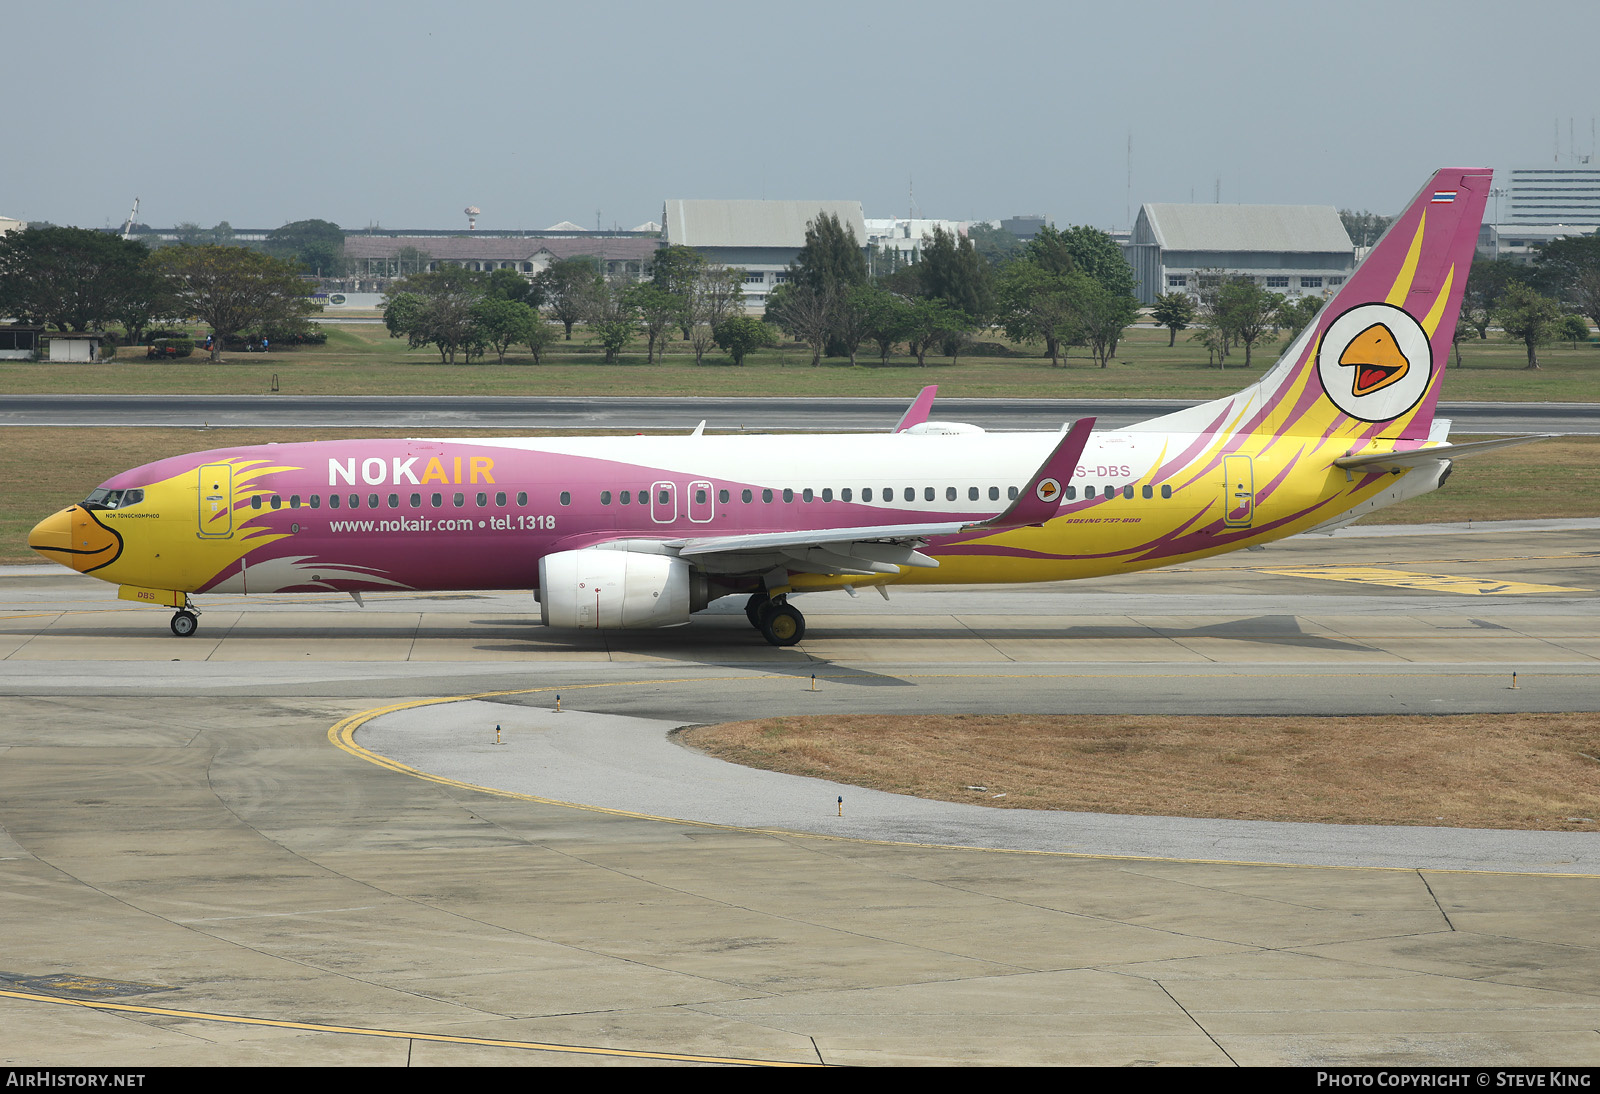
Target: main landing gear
[778,621]
[185,622]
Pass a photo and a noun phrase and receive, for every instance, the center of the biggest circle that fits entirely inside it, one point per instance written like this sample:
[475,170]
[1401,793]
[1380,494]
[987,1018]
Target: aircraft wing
[883,549]
[1411,457]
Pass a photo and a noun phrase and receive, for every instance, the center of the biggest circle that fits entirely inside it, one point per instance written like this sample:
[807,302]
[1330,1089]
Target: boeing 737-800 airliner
[644,531]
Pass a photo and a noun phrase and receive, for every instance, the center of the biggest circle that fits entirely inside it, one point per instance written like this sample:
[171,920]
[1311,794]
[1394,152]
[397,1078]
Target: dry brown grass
[1536,771]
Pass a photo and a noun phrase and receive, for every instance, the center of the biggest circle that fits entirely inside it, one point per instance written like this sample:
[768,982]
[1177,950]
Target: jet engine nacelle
[600,587]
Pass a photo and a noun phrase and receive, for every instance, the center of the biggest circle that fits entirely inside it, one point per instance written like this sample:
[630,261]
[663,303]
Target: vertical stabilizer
[1369,367]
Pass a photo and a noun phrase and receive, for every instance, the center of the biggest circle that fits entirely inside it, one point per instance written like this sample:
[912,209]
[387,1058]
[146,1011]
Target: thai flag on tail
[1443,197]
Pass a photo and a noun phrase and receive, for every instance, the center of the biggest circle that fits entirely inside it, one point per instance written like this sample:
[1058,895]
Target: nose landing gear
[185,622]
[779,622]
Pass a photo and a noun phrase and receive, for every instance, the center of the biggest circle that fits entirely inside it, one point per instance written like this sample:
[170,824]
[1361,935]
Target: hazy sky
[402,113]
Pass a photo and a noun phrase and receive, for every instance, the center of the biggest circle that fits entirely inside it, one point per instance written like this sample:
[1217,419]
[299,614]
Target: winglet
[920,408]
[1041,499]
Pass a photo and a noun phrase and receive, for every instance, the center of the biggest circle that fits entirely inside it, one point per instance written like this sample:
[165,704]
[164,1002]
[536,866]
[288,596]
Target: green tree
[71,278]
[827,267]
[1099,256]
[510,285]
[232,289]
[933,321]
[1364,228]
[658,311]
[888,318]
[540,334]
[676,270]
[1528,317]
[717,293]
[612,315]
[951,270]
[504,323]
[1569,269]
[1037,305]
[1103,315]
[832,258]
[806,313]
[316,246]
[442,314]
[568,285]
[1175,311]
[1296,315]
[1486,284]
[740,335]
[994,245]
[1247,313]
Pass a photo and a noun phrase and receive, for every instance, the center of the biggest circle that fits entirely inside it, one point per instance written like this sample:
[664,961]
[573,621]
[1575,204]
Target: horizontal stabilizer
[1412,457]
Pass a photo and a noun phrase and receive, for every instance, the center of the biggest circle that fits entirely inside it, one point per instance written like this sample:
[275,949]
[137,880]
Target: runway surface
[228,836]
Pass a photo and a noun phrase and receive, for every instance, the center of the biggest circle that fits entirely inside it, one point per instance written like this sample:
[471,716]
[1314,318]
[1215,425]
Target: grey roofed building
[760,237]
[1292,249]
[377,257]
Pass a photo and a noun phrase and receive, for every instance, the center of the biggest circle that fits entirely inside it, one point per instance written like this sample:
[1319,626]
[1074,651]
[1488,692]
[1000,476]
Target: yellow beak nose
[73,537]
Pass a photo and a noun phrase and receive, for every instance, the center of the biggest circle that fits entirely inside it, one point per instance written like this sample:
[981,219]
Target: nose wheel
[779,622]
[185,623]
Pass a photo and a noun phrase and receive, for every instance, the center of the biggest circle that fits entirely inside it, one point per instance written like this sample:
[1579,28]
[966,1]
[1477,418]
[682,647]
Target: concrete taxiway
[230,849]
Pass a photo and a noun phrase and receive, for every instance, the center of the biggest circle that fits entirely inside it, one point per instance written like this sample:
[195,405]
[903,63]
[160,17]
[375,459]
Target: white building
[760,237]
[904,237]
[1296,250]
[1549,195]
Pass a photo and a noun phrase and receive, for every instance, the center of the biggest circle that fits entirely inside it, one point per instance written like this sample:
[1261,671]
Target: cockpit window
[112,499]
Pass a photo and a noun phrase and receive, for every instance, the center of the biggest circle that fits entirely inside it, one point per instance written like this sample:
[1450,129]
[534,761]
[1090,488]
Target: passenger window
[949,493]
[1072,493]
[1147,492]
[316,501]
[394,501]
[372,501]
[333,501]
[605,497]
[1088,491]
[866,493]
[845,494]
[788,496]
[766,495]
[277,502]
[911,493]
[566,497]
[806,495]
[1166,491]
[294,501]
[436,500]
[500,499]
[625,498]
[522,498]
[722,497]
[415,500]
[1127,491]
[458,500]
[1011,493]
[483,500]
[972,493]
[355,501]
[746,496]
[994,493]
[255,502]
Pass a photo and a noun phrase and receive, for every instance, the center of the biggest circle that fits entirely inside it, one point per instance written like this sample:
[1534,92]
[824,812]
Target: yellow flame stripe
[1431,323]
[1408,271]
